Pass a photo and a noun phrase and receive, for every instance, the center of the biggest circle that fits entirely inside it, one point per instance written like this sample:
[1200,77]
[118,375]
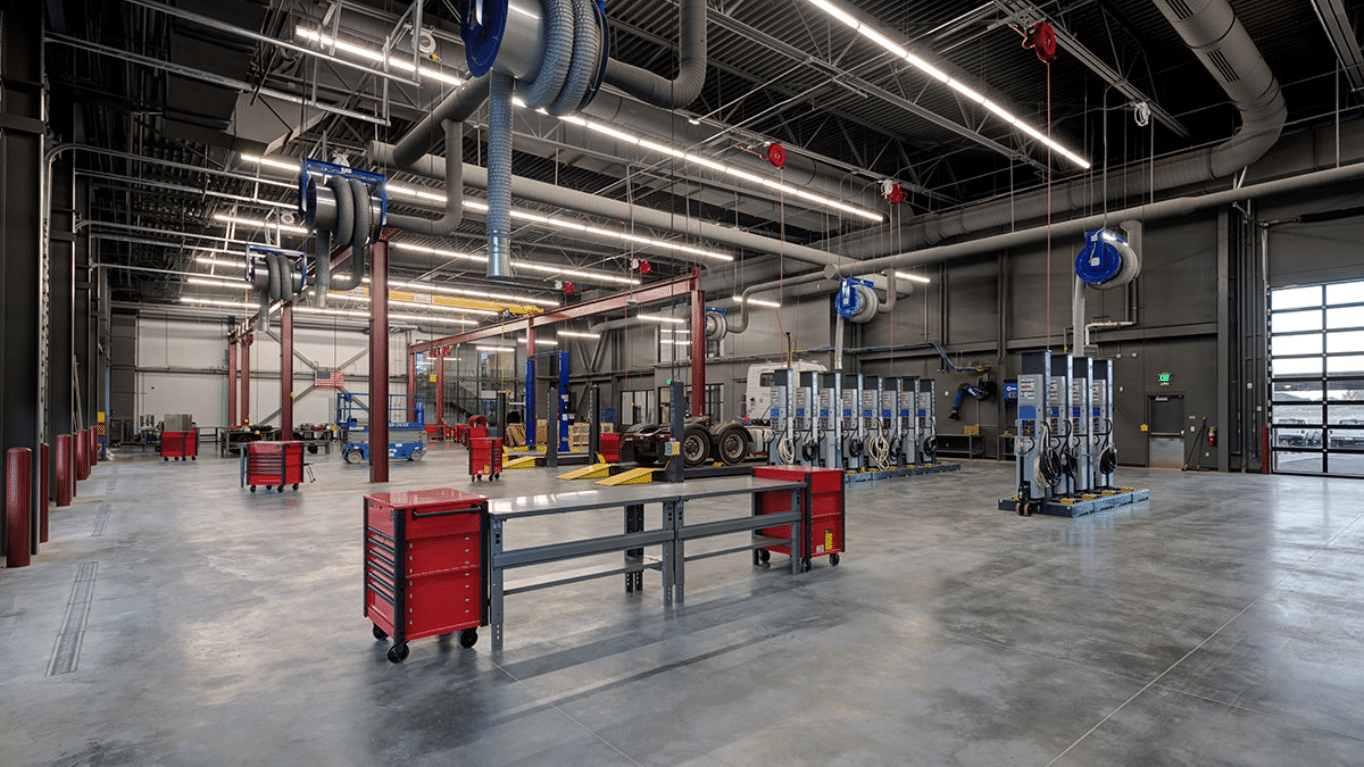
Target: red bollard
[63,470]
[18,504]
[77,462]
[93,450]
[43,488]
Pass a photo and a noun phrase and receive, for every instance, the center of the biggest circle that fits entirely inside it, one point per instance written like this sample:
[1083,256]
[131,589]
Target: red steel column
[246,377]
[698,349]
[411,382]
[231,381]
[18,502]
[286,371]
[64,481]
[378,363]
[440,395]
[44,456]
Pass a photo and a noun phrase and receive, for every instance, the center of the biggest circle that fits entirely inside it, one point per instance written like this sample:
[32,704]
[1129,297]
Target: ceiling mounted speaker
[426,42]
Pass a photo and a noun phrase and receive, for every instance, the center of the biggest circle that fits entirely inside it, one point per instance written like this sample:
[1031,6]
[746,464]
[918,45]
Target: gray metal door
[1165,437]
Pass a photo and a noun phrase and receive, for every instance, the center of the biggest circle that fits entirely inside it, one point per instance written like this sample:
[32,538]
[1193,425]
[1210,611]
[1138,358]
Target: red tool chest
[180,445]
[272,465]
[485,458]
[825,514]
[610,447]
[425,573]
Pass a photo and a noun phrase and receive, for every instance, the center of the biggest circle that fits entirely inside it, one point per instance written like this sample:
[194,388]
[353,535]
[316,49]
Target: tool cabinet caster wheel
[295,487]
[194,458]
[468,638]
[379,633]
[253,488]
[281,488]
[805,565]
[397,653]
[165,459]
[833,560]
[764,556]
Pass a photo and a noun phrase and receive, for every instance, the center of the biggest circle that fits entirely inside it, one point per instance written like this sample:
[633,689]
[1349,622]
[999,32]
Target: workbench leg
[679,563]
[669,551]
[495,582]
[798,534]
[634,523]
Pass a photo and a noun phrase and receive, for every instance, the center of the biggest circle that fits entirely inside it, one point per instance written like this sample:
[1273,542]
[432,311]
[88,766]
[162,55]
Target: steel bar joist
[688,286]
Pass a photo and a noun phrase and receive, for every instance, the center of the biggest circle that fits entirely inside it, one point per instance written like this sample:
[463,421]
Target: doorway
[1165,435]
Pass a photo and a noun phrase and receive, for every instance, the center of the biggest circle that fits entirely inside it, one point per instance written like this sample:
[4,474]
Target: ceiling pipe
[1210,28]
[457,107]
[582,202]
[691,68]
[454,190]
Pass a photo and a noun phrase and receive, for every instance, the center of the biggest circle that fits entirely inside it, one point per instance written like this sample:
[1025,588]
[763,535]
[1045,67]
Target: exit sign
[1164,378]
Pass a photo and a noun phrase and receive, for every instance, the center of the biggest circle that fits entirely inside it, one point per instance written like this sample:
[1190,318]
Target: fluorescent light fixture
[359,51]
[219,283]
[660,318]
[219,262]
[576,334]
[213,302]
[538,341]
[226,219]
[433,307]
[912,277]
[589,276]
[957,85]
[760,302]
[269,163]
[499,349]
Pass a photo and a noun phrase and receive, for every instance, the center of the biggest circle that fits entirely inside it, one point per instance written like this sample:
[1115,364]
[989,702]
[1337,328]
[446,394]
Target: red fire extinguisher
[1212,436]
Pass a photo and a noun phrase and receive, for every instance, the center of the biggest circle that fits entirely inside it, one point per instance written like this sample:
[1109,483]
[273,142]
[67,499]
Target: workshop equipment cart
[825,515]
[273,465]
[425,573]
[485,458]
[180,445]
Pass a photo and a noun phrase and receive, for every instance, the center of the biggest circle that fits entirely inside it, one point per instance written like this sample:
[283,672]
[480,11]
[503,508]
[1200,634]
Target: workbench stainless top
[616,497]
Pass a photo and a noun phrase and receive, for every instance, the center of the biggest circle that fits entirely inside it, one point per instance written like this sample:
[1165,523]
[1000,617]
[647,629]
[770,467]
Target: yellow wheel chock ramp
[639,476]
[595,471]
[523,462]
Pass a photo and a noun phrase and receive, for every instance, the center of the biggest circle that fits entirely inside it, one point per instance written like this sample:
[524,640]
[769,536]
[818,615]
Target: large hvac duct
[1210,28]
[454,190]
[691,66]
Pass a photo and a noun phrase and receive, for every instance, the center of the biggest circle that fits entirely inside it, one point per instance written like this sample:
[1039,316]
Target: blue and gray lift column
[853,439]
[909,421]
[1104,451]
[927,420]
[806,423]
[781,451]
[1081,403]
[1030,446]
[829,424]
[871,422]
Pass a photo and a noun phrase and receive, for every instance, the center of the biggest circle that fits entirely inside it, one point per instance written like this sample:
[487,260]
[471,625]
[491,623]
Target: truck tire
[731,446]
[695,446]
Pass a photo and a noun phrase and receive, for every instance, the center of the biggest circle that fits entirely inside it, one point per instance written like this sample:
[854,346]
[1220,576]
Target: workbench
[671,534]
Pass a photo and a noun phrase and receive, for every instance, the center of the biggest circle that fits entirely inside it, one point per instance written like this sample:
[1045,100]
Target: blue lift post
[406,425]
[561,358]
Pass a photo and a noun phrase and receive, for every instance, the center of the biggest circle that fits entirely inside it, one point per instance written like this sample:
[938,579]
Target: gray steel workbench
[670,535]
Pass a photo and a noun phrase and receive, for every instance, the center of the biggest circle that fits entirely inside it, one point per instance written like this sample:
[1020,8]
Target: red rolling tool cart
[425,573]
[824,517]
[180,445]
[485,458]
[610,447]
[272,465]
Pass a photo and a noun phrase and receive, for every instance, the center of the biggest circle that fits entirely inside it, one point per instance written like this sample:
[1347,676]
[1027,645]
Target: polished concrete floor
[175,619]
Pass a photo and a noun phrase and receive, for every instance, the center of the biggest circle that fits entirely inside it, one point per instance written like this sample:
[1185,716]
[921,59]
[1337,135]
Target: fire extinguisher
[1212,436]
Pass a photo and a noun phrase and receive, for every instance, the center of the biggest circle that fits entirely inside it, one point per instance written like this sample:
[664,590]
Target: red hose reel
[1042,40]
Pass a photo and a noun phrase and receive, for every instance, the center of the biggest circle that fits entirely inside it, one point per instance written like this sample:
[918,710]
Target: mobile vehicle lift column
[830,433]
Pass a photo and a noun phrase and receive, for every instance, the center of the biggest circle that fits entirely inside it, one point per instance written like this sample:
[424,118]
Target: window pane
[1346,439]
[1295,298]
[1350,364]
[1296,366]
[1292,322]
[1346,415]
[1297,463]
[1346,391]
[1345,464]
[1345,293]
[1294,391]
[1309,343]
[1298,437]
[1349,317]
[1349,341]
[1293,414]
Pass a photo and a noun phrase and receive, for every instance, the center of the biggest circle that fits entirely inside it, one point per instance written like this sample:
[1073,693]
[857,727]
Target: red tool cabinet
[485,458]
[272,465]
[180,445]
[425,573]
[825,514]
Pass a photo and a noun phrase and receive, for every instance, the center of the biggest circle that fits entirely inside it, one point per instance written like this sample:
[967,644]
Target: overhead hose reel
[856,301]
[346,208]
[717,324]
[1107,261]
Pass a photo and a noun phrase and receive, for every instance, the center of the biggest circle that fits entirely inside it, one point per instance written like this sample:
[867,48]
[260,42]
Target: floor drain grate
[67,652]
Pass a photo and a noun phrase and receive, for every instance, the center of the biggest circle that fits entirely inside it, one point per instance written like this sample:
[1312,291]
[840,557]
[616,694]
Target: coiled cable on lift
[1108,459]
[786,450]
[878,448]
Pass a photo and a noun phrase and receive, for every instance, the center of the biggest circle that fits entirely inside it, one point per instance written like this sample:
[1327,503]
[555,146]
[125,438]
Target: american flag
[334,379]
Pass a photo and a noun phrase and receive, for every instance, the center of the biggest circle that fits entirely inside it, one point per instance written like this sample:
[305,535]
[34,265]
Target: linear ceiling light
[433,307]
[538,341]
[288,228]
[590,276]
[499,349]
[679,154]
[219,261]
[576,334]
[219,283]
[760,302]
[937,74]
[659,318]
[912,277]
[365,53]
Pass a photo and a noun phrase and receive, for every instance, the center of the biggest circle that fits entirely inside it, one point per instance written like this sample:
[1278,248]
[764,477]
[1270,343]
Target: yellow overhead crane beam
[448,302]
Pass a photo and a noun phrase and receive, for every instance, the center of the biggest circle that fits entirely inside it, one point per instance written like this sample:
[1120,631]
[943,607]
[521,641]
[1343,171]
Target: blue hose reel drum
[1099,260]
[855,298]
[486,32]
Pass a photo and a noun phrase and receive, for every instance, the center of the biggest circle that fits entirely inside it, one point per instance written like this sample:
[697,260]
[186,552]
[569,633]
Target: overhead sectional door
[1316,372]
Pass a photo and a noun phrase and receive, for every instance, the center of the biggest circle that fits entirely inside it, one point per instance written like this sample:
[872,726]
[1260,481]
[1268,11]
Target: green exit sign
[1164,378]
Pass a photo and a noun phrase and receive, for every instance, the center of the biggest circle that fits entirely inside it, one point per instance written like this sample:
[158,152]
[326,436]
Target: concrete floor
[1218,624]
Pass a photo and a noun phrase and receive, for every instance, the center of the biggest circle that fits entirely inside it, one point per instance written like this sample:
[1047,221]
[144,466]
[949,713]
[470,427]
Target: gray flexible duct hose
[272,265]
[499,176]
[345,208]
[322,254]
[558,52]
[363,216]
[691,70]
[263,316]
[454,190]
[357,195]
[586,46]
